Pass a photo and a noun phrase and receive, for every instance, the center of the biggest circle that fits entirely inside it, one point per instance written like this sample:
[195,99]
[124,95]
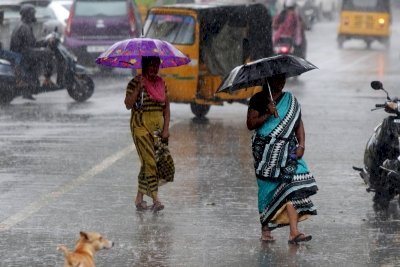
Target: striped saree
[157,166]
[281,177]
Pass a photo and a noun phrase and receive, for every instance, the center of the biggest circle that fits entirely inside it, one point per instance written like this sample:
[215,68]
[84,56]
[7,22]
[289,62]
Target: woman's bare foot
[139,203]
[157,205]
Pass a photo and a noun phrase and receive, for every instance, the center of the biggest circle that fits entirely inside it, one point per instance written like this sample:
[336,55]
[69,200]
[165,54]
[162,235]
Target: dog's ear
[84,235]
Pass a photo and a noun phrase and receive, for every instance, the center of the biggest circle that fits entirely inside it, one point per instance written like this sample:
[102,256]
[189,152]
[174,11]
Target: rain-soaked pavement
[67,167]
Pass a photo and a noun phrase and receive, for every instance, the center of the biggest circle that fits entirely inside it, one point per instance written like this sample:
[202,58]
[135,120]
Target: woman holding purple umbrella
[278,143]
[147,98]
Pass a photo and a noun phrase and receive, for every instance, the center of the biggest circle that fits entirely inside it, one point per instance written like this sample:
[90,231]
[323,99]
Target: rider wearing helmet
[24,42]
[289,24]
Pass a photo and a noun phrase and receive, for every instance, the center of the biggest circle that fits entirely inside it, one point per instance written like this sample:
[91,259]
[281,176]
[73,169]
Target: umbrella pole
[276,115]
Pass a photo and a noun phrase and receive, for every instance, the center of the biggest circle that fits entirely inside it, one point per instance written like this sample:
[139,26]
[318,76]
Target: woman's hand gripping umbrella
[256,73]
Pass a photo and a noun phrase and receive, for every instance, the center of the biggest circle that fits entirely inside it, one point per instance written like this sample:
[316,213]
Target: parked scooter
[382,150]
[70,76]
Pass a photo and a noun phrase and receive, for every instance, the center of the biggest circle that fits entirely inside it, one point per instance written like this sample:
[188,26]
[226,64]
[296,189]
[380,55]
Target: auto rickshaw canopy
[366,5]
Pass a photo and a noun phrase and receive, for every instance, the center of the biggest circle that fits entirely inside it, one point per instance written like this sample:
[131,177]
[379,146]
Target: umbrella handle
[276,115]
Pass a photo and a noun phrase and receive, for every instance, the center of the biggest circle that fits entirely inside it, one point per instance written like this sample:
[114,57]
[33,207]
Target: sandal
[157,206]
[269,237]
[300,238]
[141,206]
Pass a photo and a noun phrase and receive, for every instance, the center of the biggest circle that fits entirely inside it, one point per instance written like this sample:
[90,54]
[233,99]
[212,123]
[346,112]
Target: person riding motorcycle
[24,42]
[289,24]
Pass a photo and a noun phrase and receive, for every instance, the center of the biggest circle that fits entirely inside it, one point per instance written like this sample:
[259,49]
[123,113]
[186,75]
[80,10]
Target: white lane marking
[48,198]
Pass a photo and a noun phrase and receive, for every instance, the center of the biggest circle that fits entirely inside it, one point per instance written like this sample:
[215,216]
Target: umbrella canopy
[256,72]
[128,53]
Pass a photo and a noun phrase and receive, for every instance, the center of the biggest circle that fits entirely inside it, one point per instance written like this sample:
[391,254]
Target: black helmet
[27,13]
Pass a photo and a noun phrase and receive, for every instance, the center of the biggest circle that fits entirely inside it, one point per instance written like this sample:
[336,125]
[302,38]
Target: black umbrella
[256,72]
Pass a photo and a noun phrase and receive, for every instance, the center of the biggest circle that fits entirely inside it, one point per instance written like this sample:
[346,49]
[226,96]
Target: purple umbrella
[128,54]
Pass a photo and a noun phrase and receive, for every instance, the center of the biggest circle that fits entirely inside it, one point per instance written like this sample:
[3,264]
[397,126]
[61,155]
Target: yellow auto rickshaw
[368,20]
[217,38]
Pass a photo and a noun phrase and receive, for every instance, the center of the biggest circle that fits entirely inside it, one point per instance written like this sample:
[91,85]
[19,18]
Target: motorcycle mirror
[376,85]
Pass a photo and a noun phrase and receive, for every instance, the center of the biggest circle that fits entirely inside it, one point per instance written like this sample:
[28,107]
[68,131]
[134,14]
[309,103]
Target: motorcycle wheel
[382,198]
[81,89]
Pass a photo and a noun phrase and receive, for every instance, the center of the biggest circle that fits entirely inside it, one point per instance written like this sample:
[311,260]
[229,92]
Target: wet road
[67,167]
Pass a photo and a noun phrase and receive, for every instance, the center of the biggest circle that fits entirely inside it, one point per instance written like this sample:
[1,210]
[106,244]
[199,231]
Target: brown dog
[87,245]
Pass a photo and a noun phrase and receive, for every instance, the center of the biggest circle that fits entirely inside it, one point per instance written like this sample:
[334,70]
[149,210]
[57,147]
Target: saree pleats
[274,196]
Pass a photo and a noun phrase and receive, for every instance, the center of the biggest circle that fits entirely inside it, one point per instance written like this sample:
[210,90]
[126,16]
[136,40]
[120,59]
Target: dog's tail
[64,249]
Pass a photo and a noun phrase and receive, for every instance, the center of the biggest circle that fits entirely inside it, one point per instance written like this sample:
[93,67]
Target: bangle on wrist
[301,146]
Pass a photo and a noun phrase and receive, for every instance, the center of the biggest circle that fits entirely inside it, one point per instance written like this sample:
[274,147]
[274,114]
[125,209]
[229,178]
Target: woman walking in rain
[278,144]
[146,97]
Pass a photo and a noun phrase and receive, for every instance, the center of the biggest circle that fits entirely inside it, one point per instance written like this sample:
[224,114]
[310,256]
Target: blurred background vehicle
[308,10]
[94,25]
[366,20]
[216,37]
[60,8]
[327,8]
[321,9]
[47,20]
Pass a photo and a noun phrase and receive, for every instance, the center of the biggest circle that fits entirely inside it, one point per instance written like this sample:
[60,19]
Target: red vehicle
[284,46]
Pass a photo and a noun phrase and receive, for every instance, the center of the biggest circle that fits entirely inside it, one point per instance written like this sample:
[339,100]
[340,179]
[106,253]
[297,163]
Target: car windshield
[44,12]
[89,8]
[367,5]
[41,12]
[175,29]
[67,6]
[11,12]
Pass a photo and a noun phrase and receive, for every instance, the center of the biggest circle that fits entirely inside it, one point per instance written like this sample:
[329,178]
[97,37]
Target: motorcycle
[70,75]
[381,151]
[285,46]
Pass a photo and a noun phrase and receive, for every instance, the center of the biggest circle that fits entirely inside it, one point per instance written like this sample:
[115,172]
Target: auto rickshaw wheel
[368,42]
[340,41]
[386,42]
[199,110]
